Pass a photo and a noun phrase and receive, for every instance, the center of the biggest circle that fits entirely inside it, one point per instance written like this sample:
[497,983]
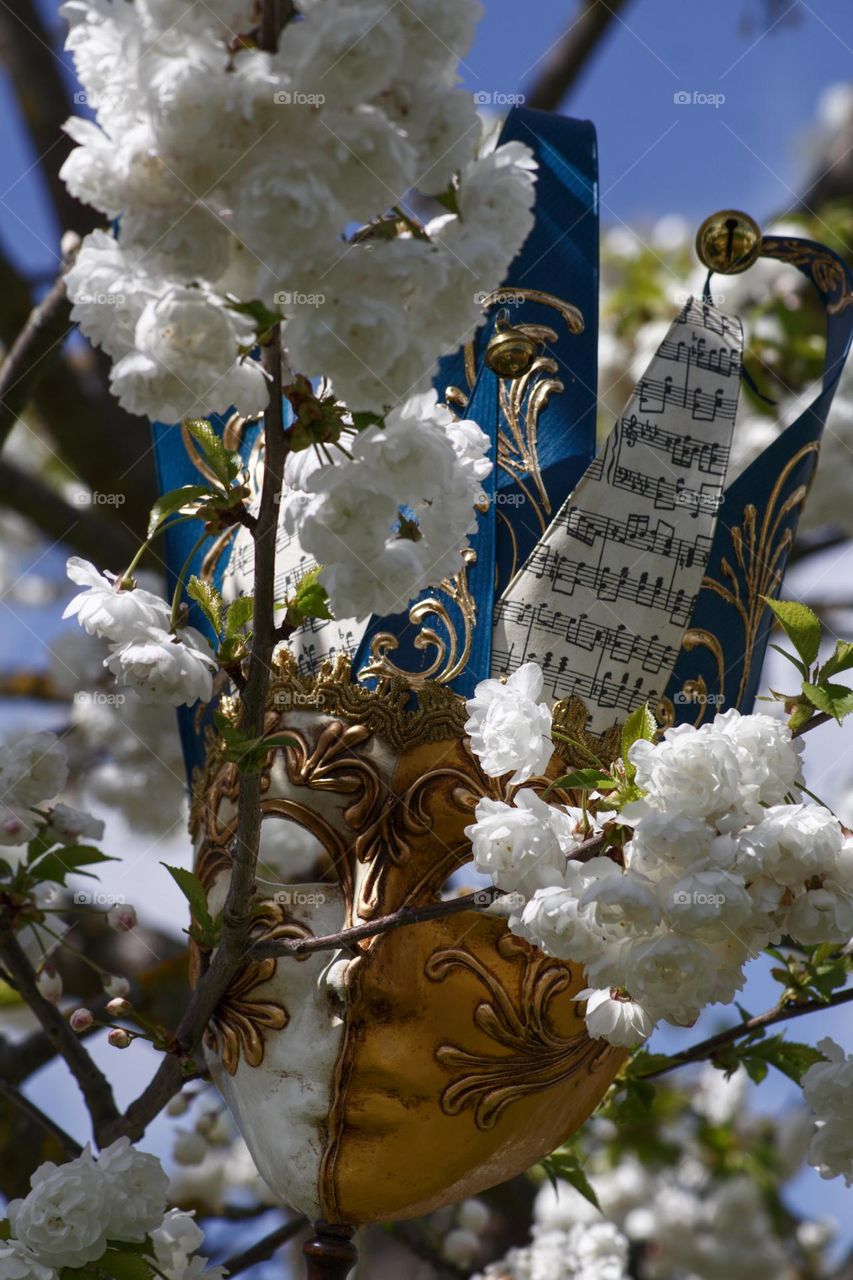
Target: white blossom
[17,1262]
[525,844]
[164,667]
[508,725]
[63,1218]
[615,1017]
[32,769]
[67,825]
[138,1186]
[828,1089]
[103,609]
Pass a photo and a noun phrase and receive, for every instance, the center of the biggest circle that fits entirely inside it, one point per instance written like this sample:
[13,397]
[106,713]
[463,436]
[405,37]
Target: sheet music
[605,597]
[319,638]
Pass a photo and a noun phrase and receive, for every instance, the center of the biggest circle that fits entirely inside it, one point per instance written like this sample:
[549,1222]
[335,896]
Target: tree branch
[569,57]
[94,1086]
[24,365]
[779,1013]
[85,529]
[69,1145]
[264,1248]
[373,928]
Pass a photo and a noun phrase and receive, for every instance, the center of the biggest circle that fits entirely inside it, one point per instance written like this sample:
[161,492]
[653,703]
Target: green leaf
[644,1063]
[125,1266]
[449,200]
[209,599]
[239,614]
[840,660]
[361,421]
[833,699]
[5,1229]
[194,892]
[263,318]
[800,624]
[584,780]
[640,726]
[309,600]
[788,1056]
[61,862]
[173,502]
[222,462]
[565,1165]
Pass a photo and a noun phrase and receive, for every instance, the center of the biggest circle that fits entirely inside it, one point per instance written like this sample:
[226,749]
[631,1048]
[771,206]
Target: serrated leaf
[566,1166]
[640,726]
[221,461]
[239,613]
[800,624]
[194,892]
[584,780]
[840,660]
[309,600]
[788,1056]
[174,501]
[209,600]
[68,860]
[833,699]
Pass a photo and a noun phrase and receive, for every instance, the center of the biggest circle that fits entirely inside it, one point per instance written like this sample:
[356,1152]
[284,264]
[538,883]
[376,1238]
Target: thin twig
[69,1145]
[373,928]
[94,1085]
[779,1013]
[26,361]
[822,718]
[264,1248]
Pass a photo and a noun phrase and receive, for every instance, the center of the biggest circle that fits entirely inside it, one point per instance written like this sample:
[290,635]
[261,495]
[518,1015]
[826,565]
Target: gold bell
[510,352]
[728,242]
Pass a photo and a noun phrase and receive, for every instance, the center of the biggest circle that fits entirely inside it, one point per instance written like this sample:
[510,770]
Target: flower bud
[119,1038]
[119,1007]
[190,1148]
[49,982]
[460,1246]
[177,1106]
[115,985]
[122,917]
[81,1020]
[474,1215]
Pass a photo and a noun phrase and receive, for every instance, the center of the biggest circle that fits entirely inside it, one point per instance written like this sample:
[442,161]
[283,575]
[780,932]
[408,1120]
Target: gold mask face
[428,1063]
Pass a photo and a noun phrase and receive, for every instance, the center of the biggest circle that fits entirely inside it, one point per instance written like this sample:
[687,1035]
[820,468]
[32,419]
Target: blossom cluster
[33,770]
[75,1212]
[703,855]
[389,520]
[158,661]
[235,174]
[828,1089]
[594,1251]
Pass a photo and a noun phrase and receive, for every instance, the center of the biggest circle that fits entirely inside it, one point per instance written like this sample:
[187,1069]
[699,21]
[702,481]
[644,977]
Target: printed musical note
[604,598]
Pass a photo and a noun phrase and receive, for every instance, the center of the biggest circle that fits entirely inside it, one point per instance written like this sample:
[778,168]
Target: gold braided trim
[401,716]
[570,716]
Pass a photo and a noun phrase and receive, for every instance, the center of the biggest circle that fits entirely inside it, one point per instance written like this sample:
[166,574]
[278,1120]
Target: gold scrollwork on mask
[760,546]
[827,271]
[452,644]
[531,1054]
